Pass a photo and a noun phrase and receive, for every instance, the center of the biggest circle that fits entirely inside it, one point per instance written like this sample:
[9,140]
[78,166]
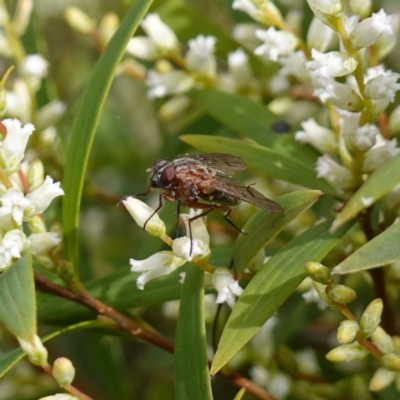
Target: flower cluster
[195,248]
[360,338]
[24,195]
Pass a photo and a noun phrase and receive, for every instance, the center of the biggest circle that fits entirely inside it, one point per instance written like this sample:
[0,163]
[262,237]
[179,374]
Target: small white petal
[14,203]
[226,286]
[45,194]
[200,56]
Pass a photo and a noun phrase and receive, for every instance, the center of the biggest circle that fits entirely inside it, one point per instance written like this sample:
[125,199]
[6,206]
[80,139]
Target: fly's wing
[221,162]
[245,193]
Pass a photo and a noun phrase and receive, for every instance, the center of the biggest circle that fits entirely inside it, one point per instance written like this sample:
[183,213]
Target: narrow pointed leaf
[17,299]
[252,119]
[381,182]
[271,286]
[265,225]
[192,379]
[8,360]
[383,249]
[287,168]
[86,122]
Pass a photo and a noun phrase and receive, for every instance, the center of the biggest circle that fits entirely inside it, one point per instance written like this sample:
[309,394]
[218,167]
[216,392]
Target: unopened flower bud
[371,317]
[37,225]
[35,350]
[79,21]
[318,272]
[394,122]
[319,35]
[144,216]
[390,361]
[108,26]
[347,352]
[381,379]
[382,340]
[347,331]
[63,371]
[342,294]
[361,7]
[35,175]
[263,11]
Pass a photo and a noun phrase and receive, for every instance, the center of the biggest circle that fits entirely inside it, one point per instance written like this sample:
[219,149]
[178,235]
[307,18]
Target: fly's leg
[178,213]
[226,218]
[160,204]
[137,195]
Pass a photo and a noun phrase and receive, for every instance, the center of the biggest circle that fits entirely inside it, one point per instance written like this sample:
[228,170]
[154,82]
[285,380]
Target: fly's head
[163,174]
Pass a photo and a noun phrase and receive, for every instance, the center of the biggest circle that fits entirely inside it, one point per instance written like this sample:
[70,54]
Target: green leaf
[192,379]
[17,299]
[252,119]
[263,225]
[271,286]
[7,361]
[381,182]
[289,169]
[118,290]
[383,249]
[86,122]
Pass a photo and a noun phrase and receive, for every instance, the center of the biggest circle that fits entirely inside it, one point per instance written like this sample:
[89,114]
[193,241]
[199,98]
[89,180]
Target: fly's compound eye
[167,176]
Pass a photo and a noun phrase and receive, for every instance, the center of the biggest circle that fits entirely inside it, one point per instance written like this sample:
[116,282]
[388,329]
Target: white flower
[185,248]
[13,243]
[14,203]
[239,68]
[170,82]
[319,35]
[383,86]
[42,242]
[332,64]
[144,48]
[12,148]
[294,64]
[245,34]
[276,43]
[226,286]
[338,94]
[357,138]
[318,136]
[35,65]
[49,114]
[45,194]
[200,56]
[368,31]
[337,175]
[198,226]
[387,41]
[379,154]
[141,213]
[158,264]
[160,34]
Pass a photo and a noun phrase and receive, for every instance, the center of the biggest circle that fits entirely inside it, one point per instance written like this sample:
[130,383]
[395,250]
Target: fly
[205,182]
